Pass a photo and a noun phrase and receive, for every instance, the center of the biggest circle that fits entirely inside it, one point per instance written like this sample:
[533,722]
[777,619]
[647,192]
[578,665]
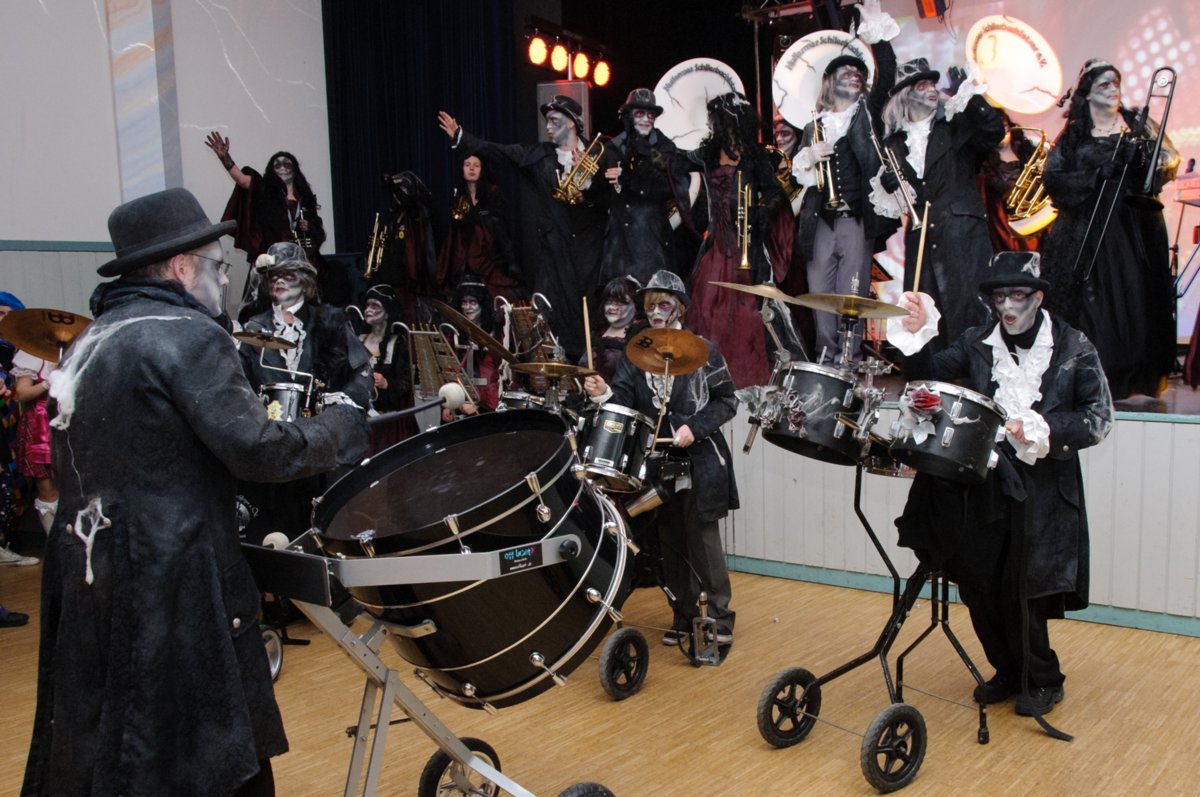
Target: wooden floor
[1133,704]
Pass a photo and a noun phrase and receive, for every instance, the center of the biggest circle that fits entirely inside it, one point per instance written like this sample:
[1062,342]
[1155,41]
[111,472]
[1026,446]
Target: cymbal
[474,332]
[652,350]
[766,291]
[263,340]
[553,370]
[41,332]
[849,305]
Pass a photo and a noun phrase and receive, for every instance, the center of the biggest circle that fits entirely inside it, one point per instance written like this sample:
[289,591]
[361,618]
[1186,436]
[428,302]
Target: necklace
[1112,127]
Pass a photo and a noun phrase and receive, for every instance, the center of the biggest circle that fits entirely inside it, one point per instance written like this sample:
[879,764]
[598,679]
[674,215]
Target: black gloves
[889,181]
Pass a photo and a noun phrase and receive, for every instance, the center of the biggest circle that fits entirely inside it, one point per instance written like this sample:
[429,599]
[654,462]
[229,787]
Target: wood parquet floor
[1133,704]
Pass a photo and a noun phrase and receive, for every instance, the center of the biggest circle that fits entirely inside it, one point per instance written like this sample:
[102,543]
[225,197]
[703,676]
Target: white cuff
[802,168]
[910,343]
[885,204]
[1037,433]
[877,25]
[458,134]
[970,87]
[603,397]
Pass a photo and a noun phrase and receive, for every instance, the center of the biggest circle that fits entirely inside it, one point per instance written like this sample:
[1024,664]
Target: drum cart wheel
[444,776]
[274,645]
[624,661]
[789,707]
[585,790]
[893,748]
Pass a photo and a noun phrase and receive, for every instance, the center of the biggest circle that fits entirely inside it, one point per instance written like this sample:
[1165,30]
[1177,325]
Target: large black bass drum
[484,483]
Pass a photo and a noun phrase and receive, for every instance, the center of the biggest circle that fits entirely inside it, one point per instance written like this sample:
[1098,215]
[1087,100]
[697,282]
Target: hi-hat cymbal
[653,350]
[476,333]
[41,332]
[553,370]
[263,340]
[765,290]
[850,305]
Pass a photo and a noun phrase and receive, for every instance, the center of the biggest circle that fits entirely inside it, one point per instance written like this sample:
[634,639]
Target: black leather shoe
[1042,698]
[1000,688]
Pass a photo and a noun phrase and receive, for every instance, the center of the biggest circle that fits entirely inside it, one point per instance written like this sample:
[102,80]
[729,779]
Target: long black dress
[1125,306]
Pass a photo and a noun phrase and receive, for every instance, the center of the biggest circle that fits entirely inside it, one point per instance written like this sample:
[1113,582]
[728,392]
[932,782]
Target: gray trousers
[840,253]
[693,561]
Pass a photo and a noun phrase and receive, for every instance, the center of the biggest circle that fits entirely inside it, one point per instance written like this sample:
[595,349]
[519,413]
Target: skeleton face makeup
[1106,91]
[558,128]
[925,95]
[208,277]
[643,121]
[848,82]
[785,135]
[618,314]
[286,287]
[374,313]
[284,168]
[470,308]
[1017,308]
[664,313]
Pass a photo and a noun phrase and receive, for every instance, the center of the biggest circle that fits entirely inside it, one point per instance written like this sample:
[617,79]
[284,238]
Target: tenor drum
[814,397]
[617,441]
[484,483]
[285,401]
[948,431]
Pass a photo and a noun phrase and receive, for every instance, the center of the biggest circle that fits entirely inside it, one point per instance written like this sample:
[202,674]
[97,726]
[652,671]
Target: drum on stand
[815,396]
[617,441]
[948,431]
[286,401]
[484,483]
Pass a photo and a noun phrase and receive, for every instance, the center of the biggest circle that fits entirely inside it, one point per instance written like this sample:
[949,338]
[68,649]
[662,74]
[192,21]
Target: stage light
[538,51]
[601,74]
[558,58]
[580,66]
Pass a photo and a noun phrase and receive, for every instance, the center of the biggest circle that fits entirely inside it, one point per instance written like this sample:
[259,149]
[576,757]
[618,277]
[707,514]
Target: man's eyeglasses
[222,266]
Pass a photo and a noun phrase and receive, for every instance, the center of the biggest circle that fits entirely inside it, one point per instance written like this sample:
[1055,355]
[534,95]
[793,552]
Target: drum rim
[612,473]
[817,368]
[621,409]
[960,392]
[285,386]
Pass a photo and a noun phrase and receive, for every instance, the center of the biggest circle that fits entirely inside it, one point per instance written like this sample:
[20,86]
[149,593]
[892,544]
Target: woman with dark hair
[472,300]
[997,177]
[731,159]
[1116,288]
[620,316]
[478,243]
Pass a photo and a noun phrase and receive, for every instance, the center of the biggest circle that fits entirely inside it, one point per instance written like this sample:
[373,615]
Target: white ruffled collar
[1020,384]
[918,142]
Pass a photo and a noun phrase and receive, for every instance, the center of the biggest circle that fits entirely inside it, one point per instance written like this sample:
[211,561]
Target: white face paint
[374,313]
[643,121]
[470,308]
[286,287]
[208,277]
[925,96]
[663,313]
[284,168]
[1106,92]
[785,135]
[558,128]
[848,82]
[618,314]
[1017,308]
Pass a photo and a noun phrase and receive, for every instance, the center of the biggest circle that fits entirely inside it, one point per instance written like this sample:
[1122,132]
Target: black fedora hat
[1014,270]
[567,106]
[846,60]
[912,72]
[641,98]
[157,226]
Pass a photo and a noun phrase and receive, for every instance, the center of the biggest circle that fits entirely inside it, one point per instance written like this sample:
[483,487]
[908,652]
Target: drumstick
[921,250]
[587,334]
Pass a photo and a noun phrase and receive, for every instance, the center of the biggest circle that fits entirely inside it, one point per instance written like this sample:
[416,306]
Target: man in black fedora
[1020,538]
[565,210]
[152,677]
[639,240]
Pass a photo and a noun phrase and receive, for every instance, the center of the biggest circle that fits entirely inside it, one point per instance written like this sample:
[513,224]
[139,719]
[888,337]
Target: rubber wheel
[274,645]
[624,660]
[444,776]
[586,790]
[893,748]
[789,707]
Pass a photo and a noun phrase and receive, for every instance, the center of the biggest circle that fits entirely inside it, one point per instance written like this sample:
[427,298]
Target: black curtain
[389,68]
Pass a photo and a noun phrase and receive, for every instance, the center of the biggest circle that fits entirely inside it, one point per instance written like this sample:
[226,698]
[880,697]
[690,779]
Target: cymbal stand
[663,398]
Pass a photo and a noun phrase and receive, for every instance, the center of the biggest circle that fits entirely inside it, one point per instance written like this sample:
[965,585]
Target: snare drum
[948,431]
[487,482]
[285,401]
[520,400]
[617,441]
[814,397]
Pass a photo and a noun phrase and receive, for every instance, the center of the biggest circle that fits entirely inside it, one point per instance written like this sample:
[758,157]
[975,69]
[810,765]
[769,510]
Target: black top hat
[667,281]
[846,60]
[912,72]
[1014,270]
[155,227]
[284,256]
[566,105]
[641,98]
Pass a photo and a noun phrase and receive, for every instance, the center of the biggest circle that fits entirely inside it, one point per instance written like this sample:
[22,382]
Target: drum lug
[579,471]
[538,660]
[423,628]
[451,522]
[543,512]
[437,690]
[956,408]
[1001,433]
[614,530]
[572,442]
[993,460]
[948,435]
[594,596]
[468,690]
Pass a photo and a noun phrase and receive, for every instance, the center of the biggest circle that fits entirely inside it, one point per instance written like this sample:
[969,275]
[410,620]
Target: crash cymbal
[263,340]
[41,332]
[766,291]
[474,332]
[652,349]
[849,305]
[553,370]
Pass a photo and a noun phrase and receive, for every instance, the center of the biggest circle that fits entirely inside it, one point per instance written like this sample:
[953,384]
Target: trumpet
[1029,207]
[375,249]
[745,195]
[570,186]
[825,182]
[907,194]
[461,207]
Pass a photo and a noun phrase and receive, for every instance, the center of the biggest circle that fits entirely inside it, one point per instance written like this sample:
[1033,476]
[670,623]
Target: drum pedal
[704,636]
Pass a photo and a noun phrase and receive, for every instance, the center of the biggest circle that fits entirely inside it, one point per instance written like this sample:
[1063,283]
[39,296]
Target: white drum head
[684,92]
[797,80]
[1021,70]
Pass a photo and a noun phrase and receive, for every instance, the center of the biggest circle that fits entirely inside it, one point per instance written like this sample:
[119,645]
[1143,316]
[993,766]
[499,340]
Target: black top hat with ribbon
[912,72]
[641,98]
[157,226]
[846,60]
[568,107]
[1014,270]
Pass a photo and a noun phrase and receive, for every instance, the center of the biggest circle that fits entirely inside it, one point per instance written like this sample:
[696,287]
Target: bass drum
[484,483]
